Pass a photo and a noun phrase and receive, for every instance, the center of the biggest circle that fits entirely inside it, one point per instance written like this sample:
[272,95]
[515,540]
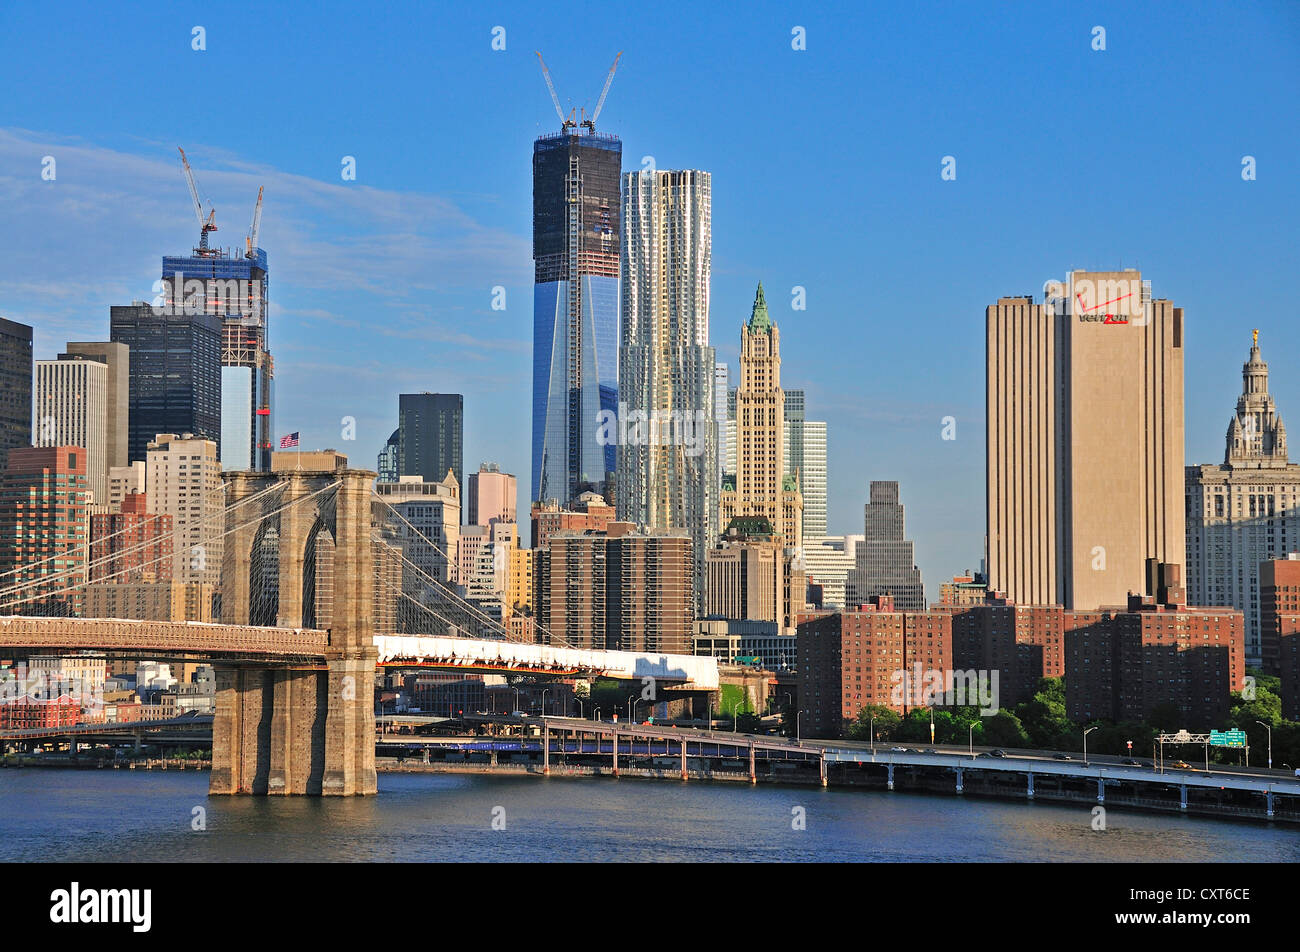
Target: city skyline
[881,425]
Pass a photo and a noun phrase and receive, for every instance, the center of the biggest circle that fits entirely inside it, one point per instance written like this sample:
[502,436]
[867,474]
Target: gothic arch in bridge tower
[299,730]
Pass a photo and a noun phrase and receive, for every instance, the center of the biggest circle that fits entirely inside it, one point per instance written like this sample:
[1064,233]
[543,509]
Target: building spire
[1256,436]
[758,317]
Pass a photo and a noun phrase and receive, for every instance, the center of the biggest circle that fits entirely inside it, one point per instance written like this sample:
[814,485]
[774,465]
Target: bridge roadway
[243,643]
[309,648]
[200,724]
[627,738]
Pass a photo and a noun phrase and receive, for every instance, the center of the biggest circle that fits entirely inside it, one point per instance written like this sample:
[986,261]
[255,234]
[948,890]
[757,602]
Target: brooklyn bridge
[317,591]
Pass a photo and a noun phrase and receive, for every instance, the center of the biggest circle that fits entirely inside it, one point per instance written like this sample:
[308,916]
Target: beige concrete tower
[759,487]
[1084,440]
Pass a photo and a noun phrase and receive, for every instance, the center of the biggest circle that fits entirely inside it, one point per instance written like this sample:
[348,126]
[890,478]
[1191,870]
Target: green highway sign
[1227,738]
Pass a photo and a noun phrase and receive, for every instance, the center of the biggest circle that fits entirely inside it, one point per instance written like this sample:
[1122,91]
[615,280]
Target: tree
[886,720]
[1003,729]
[1043,716]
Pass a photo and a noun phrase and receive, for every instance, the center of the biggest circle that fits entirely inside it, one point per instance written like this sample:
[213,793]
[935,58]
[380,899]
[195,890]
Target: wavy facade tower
[668,464]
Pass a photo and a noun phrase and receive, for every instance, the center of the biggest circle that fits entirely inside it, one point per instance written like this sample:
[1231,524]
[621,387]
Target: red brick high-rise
[132,545]
[1279,624]
[44,530]
[1121,664]
[849,660]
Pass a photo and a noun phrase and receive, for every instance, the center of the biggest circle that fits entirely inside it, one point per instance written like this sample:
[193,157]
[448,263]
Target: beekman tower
[575,306]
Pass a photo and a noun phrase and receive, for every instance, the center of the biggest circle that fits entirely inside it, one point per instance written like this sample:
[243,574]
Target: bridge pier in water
[306,729]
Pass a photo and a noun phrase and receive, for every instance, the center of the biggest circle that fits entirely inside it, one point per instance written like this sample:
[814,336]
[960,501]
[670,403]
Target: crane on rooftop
[251,240]
[205,225]
[590,124]
[565,124]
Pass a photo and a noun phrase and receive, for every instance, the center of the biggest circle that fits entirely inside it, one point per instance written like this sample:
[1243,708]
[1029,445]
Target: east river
[117,815]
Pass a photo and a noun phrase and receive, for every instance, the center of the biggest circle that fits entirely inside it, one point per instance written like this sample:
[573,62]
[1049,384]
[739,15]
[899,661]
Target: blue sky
[826,175]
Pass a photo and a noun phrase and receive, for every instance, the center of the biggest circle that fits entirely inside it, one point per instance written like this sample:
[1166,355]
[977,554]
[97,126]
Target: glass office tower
[175,376]
[575,310]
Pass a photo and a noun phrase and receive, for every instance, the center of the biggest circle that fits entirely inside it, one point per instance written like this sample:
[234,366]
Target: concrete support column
[615,753]
[752,776]
[959,779]
[546,748]
[1030,792]
[237,552]
[350,698]
[822,762]
[683,759]
[297,735]
[350,726]
[1183,805]
[1268,800]
[889,782]
[1101,790]
[295,524]
[240,747]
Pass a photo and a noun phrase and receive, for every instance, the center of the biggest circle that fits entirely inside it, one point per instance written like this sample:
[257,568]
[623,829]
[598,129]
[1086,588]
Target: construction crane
[251,240]
[565,124]
[207,225]
[591,123]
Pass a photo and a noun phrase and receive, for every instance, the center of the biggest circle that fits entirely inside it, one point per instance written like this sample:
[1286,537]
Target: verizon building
[1084,440]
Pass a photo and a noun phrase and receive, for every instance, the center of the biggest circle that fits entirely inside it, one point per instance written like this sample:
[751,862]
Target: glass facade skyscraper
[575,310]
[15,387]
[175,377]
[430,436]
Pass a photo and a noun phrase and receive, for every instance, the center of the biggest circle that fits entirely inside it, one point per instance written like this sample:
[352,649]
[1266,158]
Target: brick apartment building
[1279,622]
[848,660]
[1120,665]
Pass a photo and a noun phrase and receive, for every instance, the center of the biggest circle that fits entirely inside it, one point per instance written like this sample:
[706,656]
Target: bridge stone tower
[306,728]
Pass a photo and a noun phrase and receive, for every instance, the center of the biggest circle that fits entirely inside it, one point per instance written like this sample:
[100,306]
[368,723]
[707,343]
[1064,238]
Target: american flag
[290,441]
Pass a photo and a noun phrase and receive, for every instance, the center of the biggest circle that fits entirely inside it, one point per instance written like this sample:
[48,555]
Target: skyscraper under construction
[233,286]
[575,305]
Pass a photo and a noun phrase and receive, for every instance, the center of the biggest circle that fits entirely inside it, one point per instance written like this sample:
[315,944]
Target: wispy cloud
[94,236]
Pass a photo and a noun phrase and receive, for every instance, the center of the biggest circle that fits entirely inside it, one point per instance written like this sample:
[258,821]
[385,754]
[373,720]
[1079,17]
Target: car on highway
[899,750]
[997,753]
[518,714]
[1061,757]
[1130,762]
[1181,765]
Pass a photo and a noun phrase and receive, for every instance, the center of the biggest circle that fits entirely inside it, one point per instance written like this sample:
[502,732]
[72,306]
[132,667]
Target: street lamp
[1268,728]
[791,697]
[544,701]
[735,716]
[516,699]
[1085,744]
[578,701]
[871,732]
[970,739]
